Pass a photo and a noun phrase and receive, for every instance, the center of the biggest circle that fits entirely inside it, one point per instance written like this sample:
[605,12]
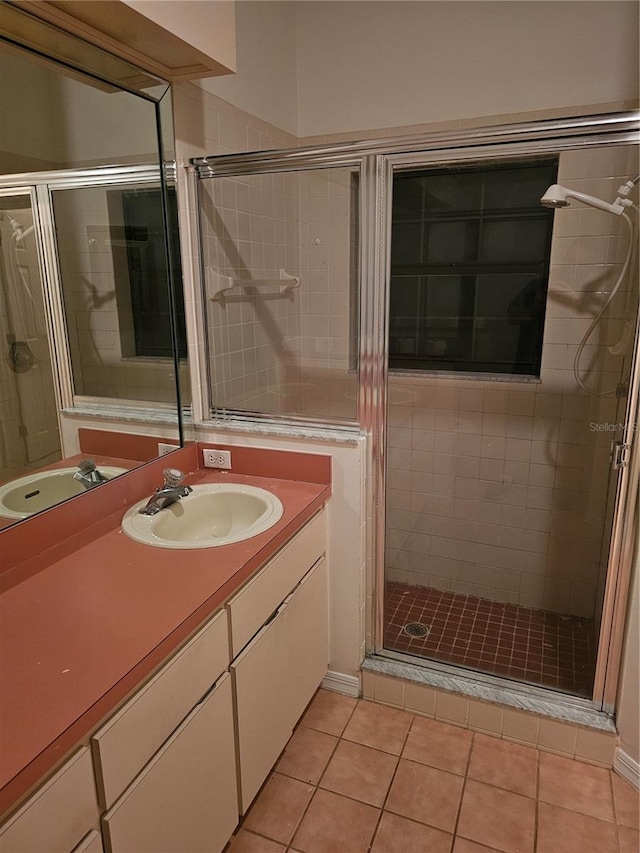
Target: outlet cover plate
[214,458]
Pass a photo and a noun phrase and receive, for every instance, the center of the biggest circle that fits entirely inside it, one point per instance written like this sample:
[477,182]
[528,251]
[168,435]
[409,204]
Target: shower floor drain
[415,629]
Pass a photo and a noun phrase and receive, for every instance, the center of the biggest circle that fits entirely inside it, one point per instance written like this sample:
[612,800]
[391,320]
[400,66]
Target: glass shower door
[29,436]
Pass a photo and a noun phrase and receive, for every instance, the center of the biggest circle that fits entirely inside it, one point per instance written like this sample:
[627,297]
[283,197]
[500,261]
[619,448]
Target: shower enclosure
[29,436]
[500,538]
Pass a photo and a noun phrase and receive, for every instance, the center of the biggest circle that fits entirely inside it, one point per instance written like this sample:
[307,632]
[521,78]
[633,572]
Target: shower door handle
[619,454]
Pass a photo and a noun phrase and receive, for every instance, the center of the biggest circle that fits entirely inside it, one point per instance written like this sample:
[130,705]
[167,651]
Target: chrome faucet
[88,474]
[170,492]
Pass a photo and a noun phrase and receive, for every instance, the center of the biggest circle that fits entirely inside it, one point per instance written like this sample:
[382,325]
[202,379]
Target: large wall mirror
[91,309]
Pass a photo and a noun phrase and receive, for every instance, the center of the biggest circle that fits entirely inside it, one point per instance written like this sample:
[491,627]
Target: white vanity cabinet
[59,815]
[165,762]
[277,672]
[186,797]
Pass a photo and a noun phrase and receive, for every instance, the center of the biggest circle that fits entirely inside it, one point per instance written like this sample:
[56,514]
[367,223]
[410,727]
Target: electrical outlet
[216,458]
[164,448]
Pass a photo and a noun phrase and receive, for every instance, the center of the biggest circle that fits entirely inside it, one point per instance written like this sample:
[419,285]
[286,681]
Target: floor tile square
[497,818]
[503,764]
[463,845]
[307,754]
[626,801]
[628,839]
[425,794]
[438,745]
[379,727]
[398,835]
[335,824]
[575,785]
[329,712]
[279,808]
[360,772]
[572,832]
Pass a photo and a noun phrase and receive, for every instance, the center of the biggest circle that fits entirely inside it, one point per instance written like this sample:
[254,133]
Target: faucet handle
[86,466]
[173,477]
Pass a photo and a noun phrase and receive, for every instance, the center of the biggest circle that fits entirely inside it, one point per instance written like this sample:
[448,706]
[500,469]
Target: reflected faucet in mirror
[89,475]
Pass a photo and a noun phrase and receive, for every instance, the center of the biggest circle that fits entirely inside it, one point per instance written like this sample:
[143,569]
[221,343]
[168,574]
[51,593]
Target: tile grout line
[393,776]
[464,786]
[317,785]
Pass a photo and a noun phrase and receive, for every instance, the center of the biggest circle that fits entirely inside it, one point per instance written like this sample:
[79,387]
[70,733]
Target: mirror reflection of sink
[22,497]
[213,514]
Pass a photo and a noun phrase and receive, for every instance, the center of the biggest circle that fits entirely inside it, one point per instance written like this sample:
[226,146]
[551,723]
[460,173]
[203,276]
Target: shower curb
[547,706]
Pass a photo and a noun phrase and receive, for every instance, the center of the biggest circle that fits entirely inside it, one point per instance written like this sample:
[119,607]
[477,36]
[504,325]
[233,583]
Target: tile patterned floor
[502,639]
[358,777]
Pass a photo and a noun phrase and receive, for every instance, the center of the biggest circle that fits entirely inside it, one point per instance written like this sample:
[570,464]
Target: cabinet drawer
[257,600]
[59,815]
[276,676]
[127,741]
[91,844]
[186,798]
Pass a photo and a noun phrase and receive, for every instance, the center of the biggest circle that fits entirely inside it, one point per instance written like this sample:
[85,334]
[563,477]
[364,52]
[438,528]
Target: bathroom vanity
[168,682]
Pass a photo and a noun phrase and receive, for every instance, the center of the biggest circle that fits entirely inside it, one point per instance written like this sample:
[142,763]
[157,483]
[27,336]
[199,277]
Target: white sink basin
[213,514]
[22,497]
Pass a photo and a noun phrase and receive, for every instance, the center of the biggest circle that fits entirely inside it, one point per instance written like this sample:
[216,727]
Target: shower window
[469,268]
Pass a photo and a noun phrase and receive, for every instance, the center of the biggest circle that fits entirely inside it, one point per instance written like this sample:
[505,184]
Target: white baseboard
[339,682]
[627,767]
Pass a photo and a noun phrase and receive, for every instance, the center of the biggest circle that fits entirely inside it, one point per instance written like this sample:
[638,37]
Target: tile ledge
[330,435]
[546,707]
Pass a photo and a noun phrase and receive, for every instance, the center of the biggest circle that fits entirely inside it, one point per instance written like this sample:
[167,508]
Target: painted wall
[376,64]
[266,82]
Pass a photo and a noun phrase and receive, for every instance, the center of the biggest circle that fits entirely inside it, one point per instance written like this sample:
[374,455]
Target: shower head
[559,196]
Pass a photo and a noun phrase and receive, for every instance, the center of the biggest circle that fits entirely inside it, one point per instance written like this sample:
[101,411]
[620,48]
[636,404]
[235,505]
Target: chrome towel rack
[286,284]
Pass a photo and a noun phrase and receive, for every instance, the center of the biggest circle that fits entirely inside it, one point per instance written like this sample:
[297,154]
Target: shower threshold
[535,647]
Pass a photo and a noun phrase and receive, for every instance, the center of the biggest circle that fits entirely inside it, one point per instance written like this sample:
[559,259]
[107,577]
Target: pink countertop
[80,631]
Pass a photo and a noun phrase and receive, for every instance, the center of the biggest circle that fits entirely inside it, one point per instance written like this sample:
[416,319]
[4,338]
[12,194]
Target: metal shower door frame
[621,545]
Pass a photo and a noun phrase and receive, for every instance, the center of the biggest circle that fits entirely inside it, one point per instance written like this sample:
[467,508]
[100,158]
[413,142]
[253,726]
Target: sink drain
[416,629]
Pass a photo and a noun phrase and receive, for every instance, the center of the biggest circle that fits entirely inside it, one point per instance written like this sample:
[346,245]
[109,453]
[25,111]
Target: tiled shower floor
[534,646]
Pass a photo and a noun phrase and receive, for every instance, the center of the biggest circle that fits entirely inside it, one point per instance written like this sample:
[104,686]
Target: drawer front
[127,741]
[257,600]
[186,798]
[59,815]
[276,676]
[91,844]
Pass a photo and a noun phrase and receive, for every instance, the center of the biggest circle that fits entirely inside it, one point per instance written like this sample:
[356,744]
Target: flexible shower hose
[600,314]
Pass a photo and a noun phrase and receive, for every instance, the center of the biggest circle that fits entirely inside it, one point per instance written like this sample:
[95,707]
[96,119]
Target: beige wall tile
[451,708]
[520,726]
[558,737]
[389,691]
[367,684]
[485,717]
[420,698]
[596,747]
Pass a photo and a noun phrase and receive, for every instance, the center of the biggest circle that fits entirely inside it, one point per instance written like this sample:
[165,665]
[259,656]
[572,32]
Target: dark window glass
[469,268]
[146,271]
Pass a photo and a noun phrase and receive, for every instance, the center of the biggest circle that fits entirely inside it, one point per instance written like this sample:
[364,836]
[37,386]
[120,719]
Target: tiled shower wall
[99,319]
[499,489]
